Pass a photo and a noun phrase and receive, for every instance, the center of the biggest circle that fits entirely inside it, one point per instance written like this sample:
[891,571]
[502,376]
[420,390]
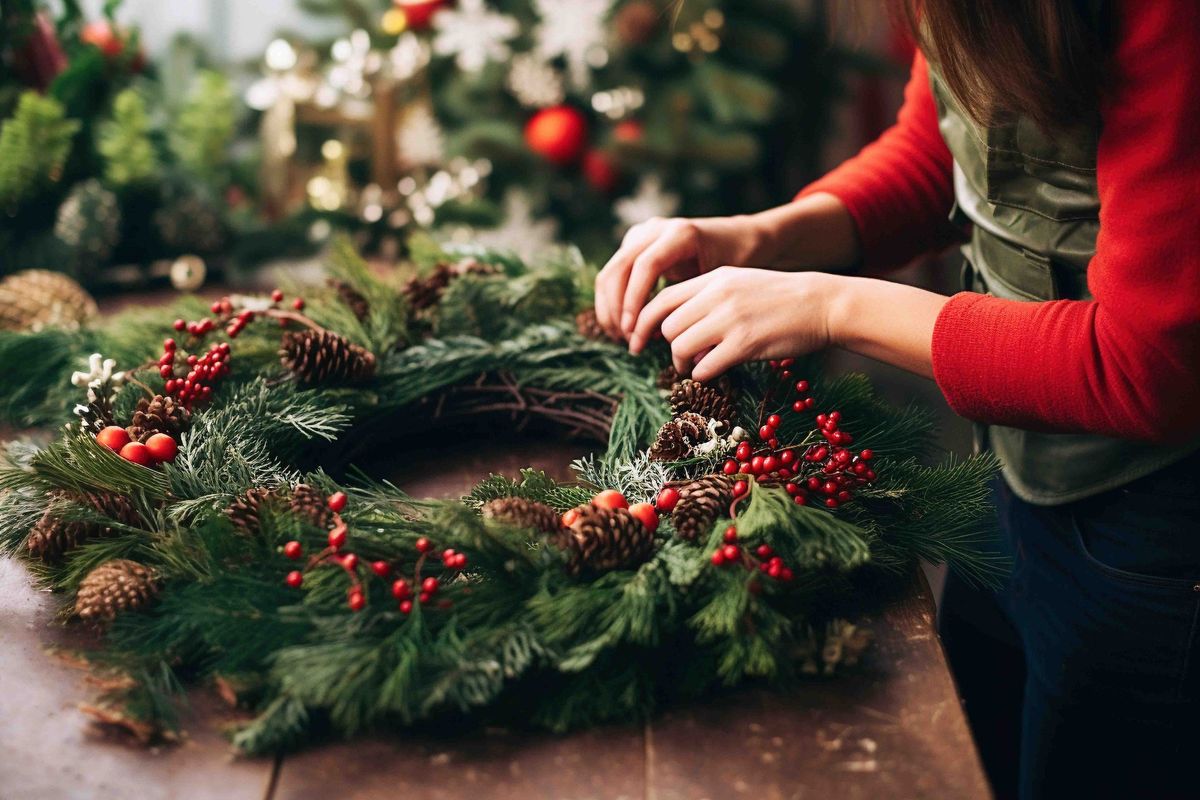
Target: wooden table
[892,729]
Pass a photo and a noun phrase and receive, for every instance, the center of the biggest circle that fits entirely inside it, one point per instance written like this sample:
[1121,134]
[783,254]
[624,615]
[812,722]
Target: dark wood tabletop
[892,728]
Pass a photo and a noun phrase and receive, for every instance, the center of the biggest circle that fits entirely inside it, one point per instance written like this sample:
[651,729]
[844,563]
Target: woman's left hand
[734,314]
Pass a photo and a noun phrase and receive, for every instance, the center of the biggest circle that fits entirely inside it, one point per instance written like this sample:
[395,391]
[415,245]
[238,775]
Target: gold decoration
[37,298]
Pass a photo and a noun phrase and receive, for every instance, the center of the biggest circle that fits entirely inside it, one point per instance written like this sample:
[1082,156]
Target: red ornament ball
[138,453]
[418,14]
[162,447]
[113,437]
[645,514]
[558,134]
[610,499]
[600,171]
[667,498]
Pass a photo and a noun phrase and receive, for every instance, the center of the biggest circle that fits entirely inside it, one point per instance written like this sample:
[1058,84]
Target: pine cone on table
[603,539]
[310,504]
[523,513]
[113,588]
[700,503]
[158,414]
[245,512]
[351,298]
[53,536]
[698,398]
[318,357]
[678,436]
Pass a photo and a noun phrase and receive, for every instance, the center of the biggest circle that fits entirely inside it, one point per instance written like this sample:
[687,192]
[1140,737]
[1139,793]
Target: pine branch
[34,145]
[124,142]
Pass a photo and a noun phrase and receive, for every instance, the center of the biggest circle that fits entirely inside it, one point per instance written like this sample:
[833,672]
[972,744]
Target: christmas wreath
[189,509]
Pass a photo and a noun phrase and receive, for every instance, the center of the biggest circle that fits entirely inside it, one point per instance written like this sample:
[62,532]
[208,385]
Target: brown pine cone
[690,395]
[114,587]
[668,376]
[310,504]
[425,291]
[589,326]
[158,414]
[678,436]
[318,357]
[96,415]
[53,536]
[39,298]
[700,503]
[351,298]
[245,512]
[603,539]
[523,513]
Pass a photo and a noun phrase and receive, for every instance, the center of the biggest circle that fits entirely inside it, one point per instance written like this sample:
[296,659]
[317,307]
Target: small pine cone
[603,539]
[351,298]
[425,291]
[245,512]
[678,436]
[589,326]
[689,395]
[523,513]
[96,415]
[114,587]
[318,357]
[53,535]
[309,503]
[668,376]
[700,503]
[158,414]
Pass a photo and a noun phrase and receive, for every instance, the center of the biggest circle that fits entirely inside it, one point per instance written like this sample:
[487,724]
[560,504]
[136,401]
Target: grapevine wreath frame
[185,513]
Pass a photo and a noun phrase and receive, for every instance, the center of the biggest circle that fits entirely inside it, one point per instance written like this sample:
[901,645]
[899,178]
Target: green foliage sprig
[34,145]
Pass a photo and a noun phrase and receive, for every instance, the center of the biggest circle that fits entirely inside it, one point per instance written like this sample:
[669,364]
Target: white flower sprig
[100,372]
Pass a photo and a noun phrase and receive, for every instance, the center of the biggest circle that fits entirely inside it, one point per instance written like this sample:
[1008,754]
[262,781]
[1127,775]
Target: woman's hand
[731,315]
[676,248]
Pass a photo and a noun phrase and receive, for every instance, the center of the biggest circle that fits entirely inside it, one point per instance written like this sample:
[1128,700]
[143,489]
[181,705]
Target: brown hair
[1045,59]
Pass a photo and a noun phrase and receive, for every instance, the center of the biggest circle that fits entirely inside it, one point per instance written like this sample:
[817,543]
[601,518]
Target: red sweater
[1126,363]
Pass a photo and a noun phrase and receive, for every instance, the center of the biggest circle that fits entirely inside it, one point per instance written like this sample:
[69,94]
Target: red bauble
[113,437]
[628,131]
[162,447]
[645,514]
[600,171]
[101,34]
[558,134]
[667,499]
[419,13]
[138,453]
[610,499]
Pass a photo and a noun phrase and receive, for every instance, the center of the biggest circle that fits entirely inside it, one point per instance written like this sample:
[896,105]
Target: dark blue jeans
[1081,677]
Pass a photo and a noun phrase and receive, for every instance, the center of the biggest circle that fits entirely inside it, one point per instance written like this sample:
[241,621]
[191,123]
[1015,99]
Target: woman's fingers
[659,308]
[695,340]
[728,354]
[611,282]
[675,244]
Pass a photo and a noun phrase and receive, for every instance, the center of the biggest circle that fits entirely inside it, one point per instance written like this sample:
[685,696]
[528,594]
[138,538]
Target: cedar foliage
[522,632]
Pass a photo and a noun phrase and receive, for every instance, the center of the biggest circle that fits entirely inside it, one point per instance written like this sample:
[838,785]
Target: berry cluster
[762,558]
[356,597]
[158,448]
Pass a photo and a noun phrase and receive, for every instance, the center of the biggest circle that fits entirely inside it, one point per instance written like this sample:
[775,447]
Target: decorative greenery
[34,145]
[203,127]
[509,636]
[125,144]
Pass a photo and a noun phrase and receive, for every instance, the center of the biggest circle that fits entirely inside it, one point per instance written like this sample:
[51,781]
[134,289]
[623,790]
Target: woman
[1059,139]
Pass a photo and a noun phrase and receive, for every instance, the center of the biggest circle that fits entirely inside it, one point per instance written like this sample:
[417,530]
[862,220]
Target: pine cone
[53,535]
[351,298]
[309,503]
[317,357]
[700,503]
[38,298]
[589,326]
[114,587]
[523,513]
[96,415]
[245,512]
[425,291]
[678,436]
[158,414]
[668,376]
[602,540]
[690,395]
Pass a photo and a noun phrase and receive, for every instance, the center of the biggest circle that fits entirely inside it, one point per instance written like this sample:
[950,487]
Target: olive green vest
[1034,210]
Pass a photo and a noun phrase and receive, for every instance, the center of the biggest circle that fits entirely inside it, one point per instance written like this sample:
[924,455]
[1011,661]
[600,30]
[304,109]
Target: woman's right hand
[676,248]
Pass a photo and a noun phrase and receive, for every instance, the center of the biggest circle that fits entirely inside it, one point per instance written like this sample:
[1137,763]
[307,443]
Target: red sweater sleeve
[899,188]
[1128,362]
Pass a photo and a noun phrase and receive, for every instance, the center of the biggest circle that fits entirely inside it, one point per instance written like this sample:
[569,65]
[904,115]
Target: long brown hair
[1045,59]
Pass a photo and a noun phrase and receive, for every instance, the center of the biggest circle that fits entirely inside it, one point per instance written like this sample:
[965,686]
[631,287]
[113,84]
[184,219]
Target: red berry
[730,536]
[786,374]
[718,558]
[773,421]
[406,606]
[798,406]
[113,437]
[763,551]
[293,550]
[766,432]
[570,517]
[424,545]
[429,585]
[743,451]
[744,467]
[215,307]
[822,420]
[784,473]
[786,574]
[400,589]
[645,514]
[787,457]
[356,601]
[423,597]
[866,455]
[162,447]
[179,325]
[447,555]
[336,501]
[730,552]
[610,499]
[168,345]
[669,496]
[350,561]
[277,296]
[791,488]
[460,561]
[773,443]
[800,500]
[770,464]
[337,537]
[801,386]
[829,487]
[295,578]
[740,488]
[814,484]
[138,453]
[831,502]
[773,570]
[730,467]
[298,304]
[787,362]
[756,465]
[810,402]
[844,496]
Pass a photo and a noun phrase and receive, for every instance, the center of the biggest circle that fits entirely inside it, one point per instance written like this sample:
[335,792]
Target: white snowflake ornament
[575,30]
[535,83]
[473,34]
[419,138]
[648,200]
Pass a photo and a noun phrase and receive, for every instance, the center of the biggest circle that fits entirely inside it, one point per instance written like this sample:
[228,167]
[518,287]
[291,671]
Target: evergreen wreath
[189,511]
